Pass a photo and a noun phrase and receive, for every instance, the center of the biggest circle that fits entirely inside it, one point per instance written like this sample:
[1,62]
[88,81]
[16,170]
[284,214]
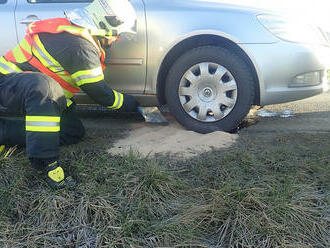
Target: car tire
[209,89]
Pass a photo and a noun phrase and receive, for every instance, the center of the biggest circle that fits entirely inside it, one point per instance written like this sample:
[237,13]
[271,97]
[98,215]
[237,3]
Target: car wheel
[209,88]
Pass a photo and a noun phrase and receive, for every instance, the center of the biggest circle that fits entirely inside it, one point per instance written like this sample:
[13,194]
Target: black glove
[130,104]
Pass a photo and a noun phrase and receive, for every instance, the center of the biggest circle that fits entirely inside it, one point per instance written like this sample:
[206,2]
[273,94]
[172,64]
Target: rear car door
[8,30]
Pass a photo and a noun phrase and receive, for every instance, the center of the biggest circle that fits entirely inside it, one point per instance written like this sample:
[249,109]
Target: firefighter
[39,77]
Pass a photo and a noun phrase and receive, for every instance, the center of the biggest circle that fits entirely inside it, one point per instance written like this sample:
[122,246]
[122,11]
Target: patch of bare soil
[151,139]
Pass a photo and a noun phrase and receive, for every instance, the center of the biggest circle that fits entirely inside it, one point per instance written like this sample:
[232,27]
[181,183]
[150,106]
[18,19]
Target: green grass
[267,191]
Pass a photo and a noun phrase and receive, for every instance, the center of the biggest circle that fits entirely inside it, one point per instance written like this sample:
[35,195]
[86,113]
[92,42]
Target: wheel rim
[208,92]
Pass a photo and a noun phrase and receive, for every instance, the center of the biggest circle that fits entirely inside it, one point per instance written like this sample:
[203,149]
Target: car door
[126,65]
[126,60]
[8,30]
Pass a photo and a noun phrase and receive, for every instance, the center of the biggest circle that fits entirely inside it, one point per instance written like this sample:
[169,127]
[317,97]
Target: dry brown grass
[263,193]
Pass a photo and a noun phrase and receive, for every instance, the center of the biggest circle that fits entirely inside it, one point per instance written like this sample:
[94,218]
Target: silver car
[208,61]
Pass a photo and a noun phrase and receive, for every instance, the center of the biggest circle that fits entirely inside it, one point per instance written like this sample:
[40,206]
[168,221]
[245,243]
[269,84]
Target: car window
[3,1]
[57,1]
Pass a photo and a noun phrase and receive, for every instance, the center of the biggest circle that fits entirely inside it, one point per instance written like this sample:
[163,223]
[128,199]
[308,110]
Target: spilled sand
[152,139]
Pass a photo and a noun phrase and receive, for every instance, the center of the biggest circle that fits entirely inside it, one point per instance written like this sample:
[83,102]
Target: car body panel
[134,65]
[291,59]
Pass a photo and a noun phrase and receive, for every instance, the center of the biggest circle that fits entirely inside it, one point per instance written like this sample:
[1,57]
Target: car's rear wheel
[209,88]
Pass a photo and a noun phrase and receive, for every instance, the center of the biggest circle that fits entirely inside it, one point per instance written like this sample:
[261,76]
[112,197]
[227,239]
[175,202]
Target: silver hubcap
[208,92]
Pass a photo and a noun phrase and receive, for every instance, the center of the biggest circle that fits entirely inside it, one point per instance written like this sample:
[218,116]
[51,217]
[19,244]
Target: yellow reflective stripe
[67,78]
[90,80]
[72,29]
[116,99]
[41,46]
[88,76]
[99,32]
[19,56]
[7,67]
[25,45]
[42,123]
[44,57]
[41,59]
[68,94]
[96,71]
[103,33]
[119,100]
[76,30]
[68,102]
[43,118]
[42,129]
[2,71]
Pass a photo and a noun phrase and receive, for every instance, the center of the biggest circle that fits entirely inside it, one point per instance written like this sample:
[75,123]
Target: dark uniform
[49,121]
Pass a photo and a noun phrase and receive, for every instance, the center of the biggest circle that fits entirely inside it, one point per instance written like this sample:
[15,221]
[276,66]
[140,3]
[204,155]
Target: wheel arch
[198,41]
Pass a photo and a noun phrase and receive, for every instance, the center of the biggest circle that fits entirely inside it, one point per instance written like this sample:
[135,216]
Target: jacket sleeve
[110,98]
[85,68]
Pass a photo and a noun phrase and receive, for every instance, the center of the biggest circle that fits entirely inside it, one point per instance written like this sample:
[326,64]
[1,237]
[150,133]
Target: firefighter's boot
[54,175]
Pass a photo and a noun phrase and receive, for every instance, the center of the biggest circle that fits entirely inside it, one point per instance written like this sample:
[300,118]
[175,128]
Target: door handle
[29,19]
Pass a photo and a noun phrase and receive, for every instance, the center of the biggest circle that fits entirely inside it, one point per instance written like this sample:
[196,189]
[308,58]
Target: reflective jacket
[32,51]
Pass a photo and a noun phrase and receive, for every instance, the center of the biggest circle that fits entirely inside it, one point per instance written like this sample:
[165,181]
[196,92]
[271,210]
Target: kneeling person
[56,59]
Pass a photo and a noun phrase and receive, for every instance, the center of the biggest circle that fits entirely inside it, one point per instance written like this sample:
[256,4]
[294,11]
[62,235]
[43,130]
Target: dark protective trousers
[36,96]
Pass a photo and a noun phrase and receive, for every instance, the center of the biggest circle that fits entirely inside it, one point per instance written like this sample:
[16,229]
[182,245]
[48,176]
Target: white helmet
[105,17]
